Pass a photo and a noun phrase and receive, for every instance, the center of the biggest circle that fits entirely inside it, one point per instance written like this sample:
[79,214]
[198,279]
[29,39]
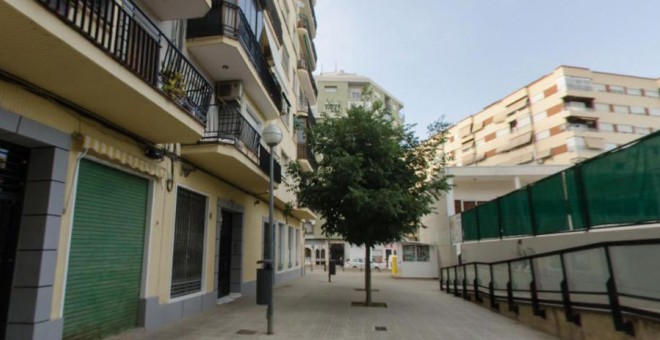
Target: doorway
[337,253]
[229,252]
[13,171]
[388,253]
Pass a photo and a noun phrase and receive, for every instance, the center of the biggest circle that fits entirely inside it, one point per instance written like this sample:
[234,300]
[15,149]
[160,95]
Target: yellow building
[566,116]
[133,178]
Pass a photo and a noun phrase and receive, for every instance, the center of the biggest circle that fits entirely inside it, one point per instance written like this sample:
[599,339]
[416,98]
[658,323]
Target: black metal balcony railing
[264,164]
[228,20]
[229,123]
[304,23]
[123,31]
[305,152]
[302,64]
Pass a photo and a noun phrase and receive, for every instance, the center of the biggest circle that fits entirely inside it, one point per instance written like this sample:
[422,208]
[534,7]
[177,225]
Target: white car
[359,264]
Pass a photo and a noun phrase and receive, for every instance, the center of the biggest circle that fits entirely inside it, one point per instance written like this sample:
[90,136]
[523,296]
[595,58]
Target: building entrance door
[224,260]
[13,171]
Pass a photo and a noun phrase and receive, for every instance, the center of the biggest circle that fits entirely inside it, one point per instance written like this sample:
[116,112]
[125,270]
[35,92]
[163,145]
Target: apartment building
[337,92]
[133,177]
[564,117]
[341,90]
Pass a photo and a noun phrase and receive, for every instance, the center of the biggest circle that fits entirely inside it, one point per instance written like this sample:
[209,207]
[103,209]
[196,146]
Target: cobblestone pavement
[312,308]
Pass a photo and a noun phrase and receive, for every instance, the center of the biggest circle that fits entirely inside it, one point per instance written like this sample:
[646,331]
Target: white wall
[417,269]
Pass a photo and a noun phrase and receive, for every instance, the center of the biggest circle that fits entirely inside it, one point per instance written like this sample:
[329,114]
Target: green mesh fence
[624,186]
[488,225]
[573,199]
[469,225]
[621,187]
[515,214]
[549,205]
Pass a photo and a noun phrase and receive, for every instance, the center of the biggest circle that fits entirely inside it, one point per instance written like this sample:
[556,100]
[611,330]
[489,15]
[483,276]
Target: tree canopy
[375,179]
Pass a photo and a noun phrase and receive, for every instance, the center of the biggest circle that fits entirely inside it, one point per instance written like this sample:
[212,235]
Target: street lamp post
[272,135]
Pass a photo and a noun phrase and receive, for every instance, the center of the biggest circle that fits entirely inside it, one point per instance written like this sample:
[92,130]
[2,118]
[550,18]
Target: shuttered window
[188,253]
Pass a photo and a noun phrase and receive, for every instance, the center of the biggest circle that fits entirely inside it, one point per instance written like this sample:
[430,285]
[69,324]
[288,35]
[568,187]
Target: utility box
[333,267]
[264,283]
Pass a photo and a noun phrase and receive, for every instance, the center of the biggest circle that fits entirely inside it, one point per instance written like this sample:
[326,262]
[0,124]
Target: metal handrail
[515,296]
[127,34]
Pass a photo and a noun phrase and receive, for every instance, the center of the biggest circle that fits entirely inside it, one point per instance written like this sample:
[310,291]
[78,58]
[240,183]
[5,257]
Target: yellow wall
[162,213]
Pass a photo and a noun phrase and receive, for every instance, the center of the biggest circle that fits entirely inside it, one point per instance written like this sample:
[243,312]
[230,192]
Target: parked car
[358,263]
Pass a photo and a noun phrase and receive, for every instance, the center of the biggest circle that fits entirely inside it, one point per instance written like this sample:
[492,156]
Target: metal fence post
[491,290]
[477,296]
[613,295]
[465,295]
[536,308]
[509,291]
[566,296]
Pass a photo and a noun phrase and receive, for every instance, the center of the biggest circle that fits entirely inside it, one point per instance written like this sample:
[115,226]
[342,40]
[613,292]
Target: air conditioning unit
[229,91]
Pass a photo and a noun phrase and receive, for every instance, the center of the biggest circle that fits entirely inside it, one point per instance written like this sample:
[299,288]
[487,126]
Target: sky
[452,58]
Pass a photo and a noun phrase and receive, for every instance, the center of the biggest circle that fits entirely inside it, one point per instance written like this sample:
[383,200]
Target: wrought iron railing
[123,31]
[620,277]
[228,20]
[264,164]
[227,123]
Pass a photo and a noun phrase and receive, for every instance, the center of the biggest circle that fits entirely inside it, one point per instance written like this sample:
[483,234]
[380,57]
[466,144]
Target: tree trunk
[367,274]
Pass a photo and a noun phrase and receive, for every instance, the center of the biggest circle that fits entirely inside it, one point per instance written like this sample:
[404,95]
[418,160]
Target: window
[285,62]
[309,228]
[642,130]
[652,93]
[188,251]
[356,94]
[620,108]
[580,123]
[575,143]
[377,256]
[416,253]
[290,245]
[598,87]
[624,128]
[542,135]
[281,236]
[330,89]
[538,97]
[637,110]
[605,127]
[600,107]
[617,89]
[634,92]
[574,83]
[577,106]
[654,111]
[296,247]
[254,16]
[540,116]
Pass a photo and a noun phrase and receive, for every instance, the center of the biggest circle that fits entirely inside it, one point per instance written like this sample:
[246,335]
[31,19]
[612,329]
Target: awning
[525,158]
[522,139]
[465,131]
[543,154]
[115,154]
[516,106]
[499,117]
[594,143]
[477,125]
[468,143]
[468,159]
[515,98]
[480,156]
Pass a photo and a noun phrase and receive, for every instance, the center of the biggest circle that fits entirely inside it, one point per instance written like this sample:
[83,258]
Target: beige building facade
[133,177]
[563,117]
[339,91]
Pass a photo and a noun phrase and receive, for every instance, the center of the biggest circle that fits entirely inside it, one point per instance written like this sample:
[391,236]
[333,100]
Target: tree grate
[381,328]
[246,332]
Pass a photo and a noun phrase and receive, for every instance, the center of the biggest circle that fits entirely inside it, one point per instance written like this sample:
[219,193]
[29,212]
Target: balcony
[307,40]
[307,81]
[306,157]
[178,9]
[224,41]
[110,60]
[231,149]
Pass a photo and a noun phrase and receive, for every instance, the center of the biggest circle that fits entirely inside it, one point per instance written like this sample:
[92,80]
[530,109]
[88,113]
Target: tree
[374,181]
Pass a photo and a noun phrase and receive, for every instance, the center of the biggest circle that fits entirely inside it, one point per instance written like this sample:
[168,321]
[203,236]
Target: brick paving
[312,308]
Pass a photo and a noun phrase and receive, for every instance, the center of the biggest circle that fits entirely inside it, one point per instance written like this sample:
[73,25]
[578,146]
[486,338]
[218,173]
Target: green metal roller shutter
[105,258]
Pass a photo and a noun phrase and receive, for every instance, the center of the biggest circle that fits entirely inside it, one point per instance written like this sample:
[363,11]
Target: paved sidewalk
[312,308]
